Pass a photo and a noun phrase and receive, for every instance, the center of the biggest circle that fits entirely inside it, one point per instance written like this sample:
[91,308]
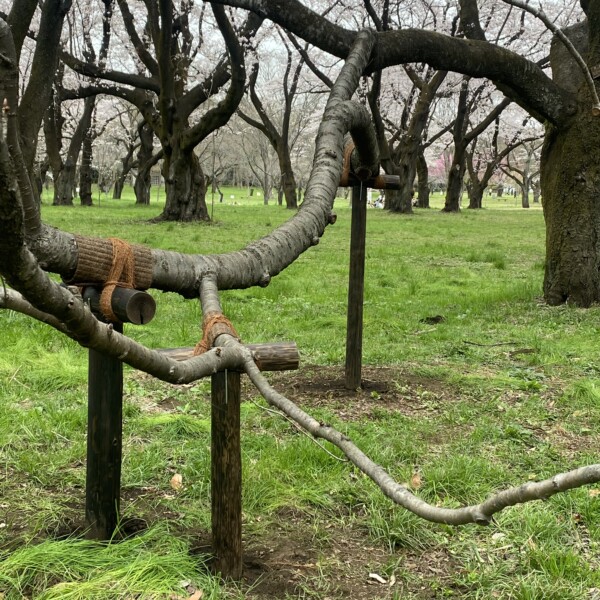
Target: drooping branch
[480,514]
[12,300]
[568,45]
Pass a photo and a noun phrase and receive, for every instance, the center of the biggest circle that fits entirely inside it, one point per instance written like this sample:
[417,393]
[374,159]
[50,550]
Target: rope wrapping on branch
[344,178]
[95,260]
[213,325]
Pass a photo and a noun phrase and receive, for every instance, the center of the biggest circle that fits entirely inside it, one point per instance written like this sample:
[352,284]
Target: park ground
[471,384]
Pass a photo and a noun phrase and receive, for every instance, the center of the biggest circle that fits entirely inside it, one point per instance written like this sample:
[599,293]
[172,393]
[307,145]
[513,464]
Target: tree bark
[145,162]
[456,177]
[85,170]
[476,191]
[423,189]
[570,180]
[288,181]
[64,185]
[185,187]
[525,194]
[127,163]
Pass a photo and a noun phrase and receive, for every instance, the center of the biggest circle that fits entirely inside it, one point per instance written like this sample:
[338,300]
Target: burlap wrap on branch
[213,325]
[112,262]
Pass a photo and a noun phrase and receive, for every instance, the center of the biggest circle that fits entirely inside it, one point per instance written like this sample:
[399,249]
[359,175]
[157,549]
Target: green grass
[504,389]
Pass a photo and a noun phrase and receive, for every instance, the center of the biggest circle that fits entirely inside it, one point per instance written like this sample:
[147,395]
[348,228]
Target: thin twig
[490,345]
[302,431]
[539,13]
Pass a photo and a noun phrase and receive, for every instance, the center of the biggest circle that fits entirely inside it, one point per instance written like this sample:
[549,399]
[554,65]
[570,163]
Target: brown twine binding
[95,260]
[121,274]
[214,325]
[346,164]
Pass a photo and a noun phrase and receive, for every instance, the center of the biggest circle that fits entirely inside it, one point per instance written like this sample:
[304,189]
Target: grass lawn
[471,384]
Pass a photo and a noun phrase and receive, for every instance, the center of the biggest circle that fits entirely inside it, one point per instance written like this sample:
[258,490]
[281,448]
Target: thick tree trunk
[423,189]
[145,162]
[400,201]
[288,181]
[64,185]
[570,180]
[476,191]
[536,192]
[186,188]
[85,172]
[118,187]
[525,194]
[141,187]
[455,182]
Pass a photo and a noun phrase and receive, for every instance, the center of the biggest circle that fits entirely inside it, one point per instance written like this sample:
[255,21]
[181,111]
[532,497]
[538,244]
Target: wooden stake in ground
[356,287]
[104,442]
[226,474]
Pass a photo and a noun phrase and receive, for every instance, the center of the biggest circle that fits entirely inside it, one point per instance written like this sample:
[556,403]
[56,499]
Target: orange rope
[121,274]
[210,332]
[346,164]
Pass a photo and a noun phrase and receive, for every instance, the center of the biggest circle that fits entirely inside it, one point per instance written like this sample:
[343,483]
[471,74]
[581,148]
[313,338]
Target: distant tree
[262,161]
[522,166]
[485,156]
[145,160]
[127,139]
[168,88]
[279,134]
[463,134]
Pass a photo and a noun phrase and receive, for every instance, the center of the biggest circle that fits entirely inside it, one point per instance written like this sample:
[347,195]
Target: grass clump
[150,565]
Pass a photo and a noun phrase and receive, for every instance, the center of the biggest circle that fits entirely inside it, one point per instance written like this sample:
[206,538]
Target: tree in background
[522,166]
[278,134]
[169,87]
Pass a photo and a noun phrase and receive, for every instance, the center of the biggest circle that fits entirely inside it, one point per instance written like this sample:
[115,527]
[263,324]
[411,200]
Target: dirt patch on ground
[383,388]
[290,562]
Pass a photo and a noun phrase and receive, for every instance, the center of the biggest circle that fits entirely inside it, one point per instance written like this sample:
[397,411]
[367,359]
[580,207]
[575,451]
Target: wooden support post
[356,287]
[104,441]
[226,474]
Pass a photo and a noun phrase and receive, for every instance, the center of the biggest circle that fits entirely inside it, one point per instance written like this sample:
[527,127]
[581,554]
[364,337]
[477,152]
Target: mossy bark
[570,182]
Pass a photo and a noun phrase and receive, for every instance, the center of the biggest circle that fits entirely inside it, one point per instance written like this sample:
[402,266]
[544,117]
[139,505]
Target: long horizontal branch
[478,513]
[90,70]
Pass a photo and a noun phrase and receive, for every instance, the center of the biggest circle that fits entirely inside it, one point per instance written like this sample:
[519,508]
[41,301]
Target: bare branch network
[29,249]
